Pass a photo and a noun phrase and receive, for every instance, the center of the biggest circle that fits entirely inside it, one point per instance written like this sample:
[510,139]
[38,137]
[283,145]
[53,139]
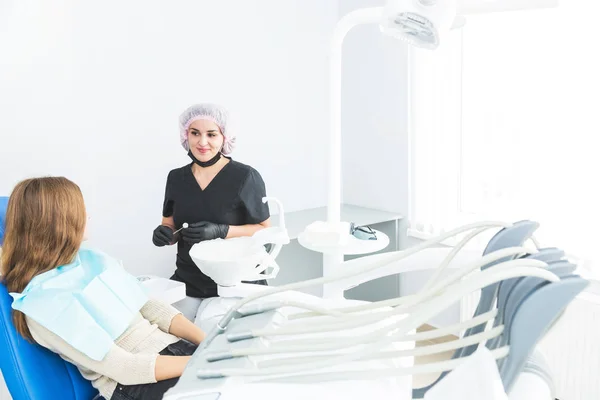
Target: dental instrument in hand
[184,226]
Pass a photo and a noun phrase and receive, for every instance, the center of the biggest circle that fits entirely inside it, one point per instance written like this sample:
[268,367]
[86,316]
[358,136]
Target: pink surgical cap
[210,112]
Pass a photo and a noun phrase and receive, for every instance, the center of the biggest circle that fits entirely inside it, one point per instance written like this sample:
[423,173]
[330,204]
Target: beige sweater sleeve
[122,366]
[159,313]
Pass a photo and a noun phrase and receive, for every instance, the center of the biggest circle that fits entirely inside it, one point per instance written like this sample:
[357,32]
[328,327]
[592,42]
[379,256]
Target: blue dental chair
[32,372]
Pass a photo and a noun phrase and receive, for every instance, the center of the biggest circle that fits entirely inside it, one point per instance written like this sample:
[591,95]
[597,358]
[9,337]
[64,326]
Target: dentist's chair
[32,372]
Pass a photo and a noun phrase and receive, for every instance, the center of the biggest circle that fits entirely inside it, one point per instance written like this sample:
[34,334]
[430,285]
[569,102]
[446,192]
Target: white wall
[374,116]
[375,130]
[93,90]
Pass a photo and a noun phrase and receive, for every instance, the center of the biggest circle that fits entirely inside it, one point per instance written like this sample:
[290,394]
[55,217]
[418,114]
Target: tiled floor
[423,380]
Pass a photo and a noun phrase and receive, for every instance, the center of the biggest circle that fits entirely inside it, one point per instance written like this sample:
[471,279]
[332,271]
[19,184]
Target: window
[505,124]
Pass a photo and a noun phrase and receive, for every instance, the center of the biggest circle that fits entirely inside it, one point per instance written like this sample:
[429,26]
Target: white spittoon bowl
[228,261]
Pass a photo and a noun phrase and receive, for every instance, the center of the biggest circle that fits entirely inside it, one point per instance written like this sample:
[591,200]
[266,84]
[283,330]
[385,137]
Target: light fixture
[422,24]
[418,22]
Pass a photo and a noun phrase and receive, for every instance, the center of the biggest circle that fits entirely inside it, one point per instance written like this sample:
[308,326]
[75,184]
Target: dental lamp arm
[344,25]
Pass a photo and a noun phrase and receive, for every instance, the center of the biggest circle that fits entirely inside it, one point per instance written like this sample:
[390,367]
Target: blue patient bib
[88,303]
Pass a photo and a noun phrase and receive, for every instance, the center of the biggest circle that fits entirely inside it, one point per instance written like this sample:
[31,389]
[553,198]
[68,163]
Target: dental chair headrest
[3,205]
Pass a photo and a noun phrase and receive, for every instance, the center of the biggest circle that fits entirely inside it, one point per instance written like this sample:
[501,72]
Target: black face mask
[205,164]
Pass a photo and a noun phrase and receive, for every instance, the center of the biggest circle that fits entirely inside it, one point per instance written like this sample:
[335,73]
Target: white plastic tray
[352,246]
[163,289]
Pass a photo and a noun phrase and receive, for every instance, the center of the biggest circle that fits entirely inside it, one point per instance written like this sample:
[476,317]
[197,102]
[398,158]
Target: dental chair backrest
[3,205]
[32,372]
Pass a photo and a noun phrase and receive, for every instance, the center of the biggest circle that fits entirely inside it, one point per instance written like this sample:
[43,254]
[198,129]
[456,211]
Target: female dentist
[215,195]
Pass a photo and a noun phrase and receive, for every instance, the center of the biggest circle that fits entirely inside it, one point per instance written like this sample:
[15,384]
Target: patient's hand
[185,329]
[168,367]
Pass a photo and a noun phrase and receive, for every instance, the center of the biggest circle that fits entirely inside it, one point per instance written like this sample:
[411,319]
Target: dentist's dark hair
[45,223]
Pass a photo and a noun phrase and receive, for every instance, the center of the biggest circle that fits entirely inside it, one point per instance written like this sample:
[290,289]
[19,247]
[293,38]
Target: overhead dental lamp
[422,24]
[418,22]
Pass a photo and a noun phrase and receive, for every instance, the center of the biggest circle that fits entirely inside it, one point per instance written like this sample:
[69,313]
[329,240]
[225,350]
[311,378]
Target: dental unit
[279,335]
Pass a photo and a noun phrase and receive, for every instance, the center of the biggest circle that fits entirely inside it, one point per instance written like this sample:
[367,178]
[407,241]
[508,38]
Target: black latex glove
[163,236]
[204,230]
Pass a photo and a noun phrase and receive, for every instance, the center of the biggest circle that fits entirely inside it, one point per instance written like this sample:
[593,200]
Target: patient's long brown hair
[45,223]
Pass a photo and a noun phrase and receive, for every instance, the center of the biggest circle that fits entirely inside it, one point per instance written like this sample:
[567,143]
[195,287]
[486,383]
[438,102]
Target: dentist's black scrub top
[233,197]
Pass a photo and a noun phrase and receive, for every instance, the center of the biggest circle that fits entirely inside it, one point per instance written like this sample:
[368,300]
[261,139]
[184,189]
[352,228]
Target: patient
[81,303]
